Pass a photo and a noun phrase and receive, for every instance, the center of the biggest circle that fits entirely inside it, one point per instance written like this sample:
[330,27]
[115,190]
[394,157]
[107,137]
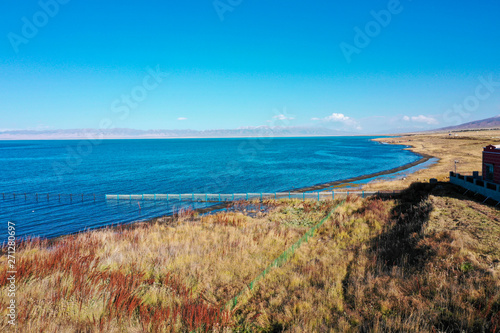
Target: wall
[477,185]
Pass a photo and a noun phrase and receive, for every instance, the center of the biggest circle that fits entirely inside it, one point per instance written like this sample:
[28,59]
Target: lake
[166,166]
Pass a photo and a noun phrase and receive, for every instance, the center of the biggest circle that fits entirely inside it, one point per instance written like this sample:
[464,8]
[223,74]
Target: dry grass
[466,147]
[155,277]
[388,266]
[426,262]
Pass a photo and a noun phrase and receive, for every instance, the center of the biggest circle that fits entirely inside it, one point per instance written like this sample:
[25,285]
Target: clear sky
[363,66]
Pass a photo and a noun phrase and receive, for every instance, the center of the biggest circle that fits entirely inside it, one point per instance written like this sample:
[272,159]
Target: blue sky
[230,64]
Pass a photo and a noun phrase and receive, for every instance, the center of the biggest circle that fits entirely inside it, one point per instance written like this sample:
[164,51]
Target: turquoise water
[166,166]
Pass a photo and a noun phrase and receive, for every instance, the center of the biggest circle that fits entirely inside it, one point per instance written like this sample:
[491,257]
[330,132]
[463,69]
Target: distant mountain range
[246,132]
[125,133]
[488,123]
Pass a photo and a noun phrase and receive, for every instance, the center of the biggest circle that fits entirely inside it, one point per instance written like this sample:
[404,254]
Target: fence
[477,184]
[189,197]
[219,197]
[60,197]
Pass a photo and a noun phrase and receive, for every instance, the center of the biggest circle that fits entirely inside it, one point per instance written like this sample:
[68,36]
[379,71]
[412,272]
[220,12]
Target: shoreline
[170,218]
[318,187]
[323,186]
[423,158]
[136,224]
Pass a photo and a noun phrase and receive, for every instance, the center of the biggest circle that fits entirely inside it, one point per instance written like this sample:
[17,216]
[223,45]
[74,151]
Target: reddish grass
[74,259]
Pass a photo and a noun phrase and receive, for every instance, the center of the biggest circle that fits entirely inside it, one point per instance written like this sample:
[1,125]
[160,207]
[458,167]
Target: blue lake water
[165,166]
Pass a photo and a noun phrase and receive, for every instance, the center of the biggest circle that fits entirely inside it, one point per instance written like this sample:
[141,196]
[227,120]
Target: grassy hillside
[428,261]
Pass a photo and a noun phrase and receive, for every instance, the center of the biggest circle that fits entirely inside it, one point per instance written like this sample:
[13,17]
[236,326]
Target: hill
[488,123]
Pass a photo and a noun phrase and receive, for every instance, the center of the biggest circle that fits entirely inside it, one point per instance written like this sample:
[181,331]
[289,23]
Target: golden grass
[388,266]
[156,277]
[428,261]
[466,147]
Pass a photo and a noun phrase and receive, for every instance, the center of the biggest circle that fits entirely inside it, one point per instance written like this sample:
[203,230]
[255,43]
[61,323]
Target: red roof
[492,147]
